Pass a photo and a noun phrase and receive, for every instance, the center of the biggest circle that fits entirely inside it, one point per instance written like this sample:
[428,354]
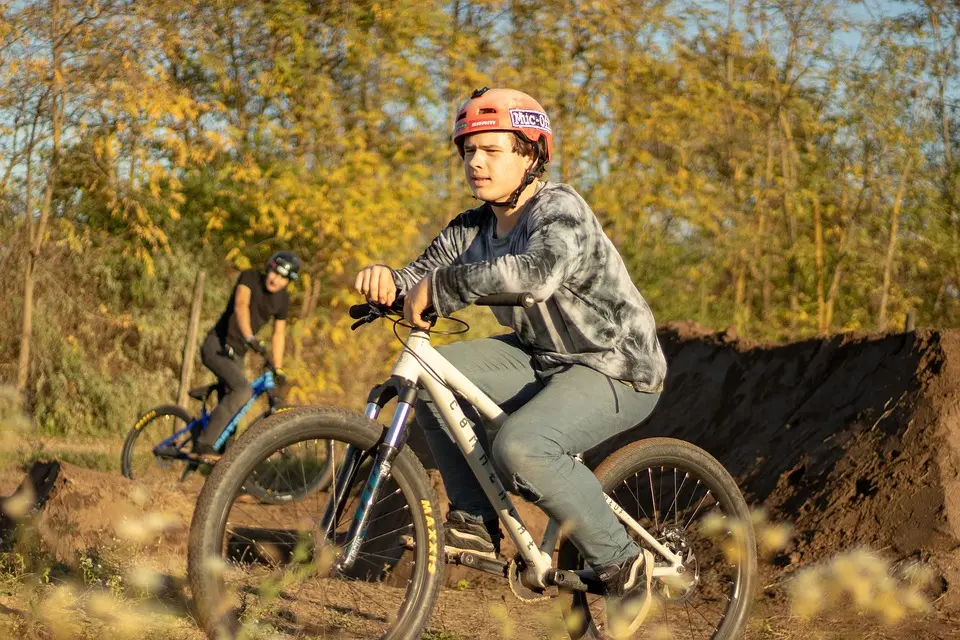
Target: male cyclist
[581,366]
[257,297]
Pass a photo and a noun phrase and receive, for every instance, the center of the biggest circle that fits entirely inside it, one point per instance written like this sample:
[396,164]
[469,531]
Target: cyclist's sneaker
[465,532]
[626,593]
[204,449]
[205,452]
[200,452]
[195,432]
[168,451]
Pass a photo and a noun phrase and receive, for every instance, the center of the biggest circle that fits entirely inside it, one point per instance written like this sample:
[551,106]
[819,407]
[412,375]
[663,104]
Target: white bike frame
[419,363]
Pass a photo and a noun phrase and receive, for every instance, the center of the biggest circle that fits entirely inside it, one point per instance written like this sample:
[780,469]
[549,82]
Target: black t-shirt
[263,306]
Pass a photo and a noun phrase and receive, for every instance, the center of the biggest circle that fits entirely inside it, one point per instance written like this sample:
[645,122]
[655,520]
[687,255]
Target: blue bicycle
[161,442]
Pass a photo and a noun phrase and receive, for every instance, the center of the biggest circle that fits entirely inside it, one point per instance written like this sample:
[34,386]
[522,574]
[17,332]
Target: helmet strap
[528,179]
[511,202]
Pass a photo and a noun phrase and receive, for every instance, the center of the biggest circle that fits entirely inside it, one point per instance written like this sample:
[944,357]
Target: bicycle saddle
[201,393]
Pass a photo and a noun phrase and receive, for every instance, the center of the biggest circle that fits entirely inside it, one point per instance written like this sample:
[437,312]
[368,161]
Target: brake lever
[370,317]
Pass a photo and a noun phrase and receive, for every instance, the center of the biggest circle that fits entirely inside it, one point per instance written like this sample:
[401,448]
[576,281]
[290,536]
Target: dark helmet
[286,263]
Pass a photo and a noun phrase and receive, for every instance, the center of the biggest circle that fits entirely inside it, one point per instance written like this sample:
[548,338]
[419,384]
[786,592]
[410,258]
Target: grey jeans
[552,417]
[228,368]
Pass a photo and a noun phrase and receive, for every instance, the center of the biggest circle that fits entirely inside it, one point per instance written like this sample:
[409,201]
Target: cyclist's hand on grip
[417,300]
[257,346]
[376,282]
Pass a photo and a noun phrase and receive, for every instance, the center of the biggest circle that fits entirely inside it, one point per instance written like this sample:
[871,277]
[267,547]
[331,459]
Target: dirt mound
[855,439]
[87,512]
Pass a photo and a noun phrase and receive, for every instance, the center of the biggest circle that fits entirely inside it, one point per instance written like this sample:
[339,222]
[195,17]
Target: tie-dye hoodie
[589,312]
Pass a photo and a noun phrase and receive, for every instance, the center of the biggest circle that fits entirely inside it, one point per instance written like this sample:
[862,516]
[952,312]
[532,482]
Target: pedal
[203,458]
[187,470]
[584,581]
[465,558]
[480,563]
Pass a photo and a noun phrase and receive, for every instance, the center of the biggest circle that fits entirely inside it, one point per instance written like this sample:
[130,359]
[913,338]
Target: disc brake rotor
[679,588]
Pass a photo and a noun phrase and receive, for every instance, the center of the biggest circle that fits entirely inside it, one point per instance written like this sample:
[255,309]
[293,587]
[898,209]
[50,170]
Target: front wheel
[137,460]
[255,565]
[688,501]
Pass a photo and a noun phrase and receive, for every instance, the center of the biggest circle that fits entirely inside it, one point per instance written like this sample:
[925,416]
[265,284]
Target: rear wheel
[287,477]
[137,460]
[268,566]
[688,501]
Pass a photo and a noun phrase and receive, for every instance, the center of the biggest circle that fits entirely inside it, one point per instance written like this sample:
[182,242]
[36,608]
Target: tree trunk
[939,301]
[818,242]
[766,290]
[23,366]
[704,302]
[741,311]
[36,236]
[314,297]
[26,327]
[945,125]
[793,269]
[190,347]
[892,245]
[837,275]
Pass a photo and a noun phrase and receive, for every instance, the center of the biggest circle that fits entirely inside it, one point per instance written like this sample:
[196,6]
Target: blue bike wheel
[138,461]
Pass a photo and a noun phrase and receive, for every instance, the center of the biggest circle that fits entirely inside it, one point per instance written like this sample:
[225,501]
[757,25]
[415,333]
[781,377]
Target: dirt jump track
[854,439]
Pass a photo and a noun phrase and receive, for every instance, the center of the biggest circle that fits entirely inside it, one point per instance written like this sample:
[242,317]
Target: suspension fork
[343,481]
[390,446]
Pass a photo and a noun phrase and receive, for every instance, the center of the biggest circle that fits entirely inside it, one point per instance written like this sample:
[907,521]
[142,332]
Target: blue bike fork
[379,472]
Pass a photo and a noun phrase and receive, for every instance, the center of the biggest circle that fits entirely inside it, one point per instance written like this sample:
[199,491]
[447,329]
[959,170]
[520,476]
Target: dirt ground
[854,440]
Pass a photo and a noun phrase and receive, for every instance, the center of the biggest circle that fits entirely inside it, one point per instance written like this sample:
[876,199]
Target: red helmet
[503,110]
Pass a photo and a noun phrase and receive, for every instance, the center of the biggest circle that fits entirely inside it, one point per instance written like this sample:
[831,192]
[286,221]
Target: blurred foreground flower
[17,506]
[147,528]
[771,537]
[864,579]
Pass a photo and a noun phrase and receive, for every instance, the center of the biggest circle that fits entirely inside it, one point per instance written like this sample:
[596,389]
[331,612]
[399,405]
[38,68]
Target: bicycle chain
[515,584]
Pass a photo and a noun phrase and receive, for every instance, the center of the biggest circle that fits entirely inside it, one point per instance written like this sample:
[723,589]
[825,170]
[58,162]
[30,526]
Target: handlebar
[525,300]
[370,311]
[279,379]
[268,364]
[265,356]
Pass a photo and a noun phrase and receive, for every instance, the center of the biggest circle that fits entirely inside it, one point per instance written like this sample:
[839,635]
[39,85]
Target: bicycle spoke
[660,496]
[640,508]
[405,507]
[686,610]
[676,493]
[705,496]
[382,535]
[655,519]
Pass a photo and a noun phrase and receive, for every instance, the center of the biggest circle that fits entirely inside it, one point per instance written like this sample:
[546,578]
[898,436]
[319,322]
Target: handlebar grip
[525,300]
[358,311]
